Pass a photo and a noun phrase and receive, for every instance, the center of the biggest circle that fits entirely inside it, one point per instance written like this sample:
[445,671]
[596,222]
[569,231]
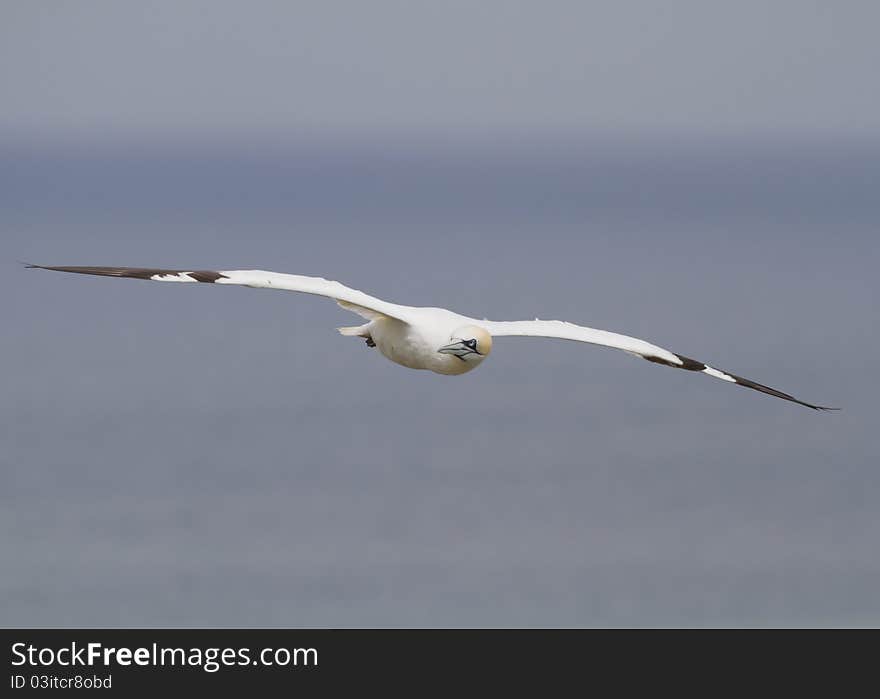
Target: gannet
[435,339]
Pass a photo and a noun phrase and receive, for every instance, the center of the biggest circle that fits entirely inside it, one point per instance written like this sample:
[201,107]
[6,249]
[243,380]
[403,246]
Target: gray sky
[702,177]
[488,67]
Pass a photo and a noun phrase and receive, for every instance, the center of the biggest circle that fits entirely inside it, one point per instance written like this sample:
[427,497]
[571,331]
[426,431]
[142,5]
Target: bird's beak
[459,349]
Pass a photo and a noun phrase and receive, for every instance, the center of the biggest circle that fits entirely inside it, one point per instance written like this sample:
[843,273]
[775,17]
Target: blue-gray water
[194,455]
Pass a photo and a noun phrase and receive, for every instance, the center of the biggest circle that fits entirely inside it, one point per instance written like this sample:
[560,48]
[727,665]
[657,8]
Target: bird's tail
[356,330]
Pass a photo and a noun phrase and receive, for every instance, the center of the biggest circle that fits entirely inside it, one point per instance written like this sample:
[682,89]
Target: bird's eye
[472,344]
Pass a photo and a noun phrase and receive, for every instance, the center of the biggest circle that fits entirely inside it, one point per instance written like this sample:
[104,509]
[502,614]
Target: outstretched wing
[357,301]
[640,348]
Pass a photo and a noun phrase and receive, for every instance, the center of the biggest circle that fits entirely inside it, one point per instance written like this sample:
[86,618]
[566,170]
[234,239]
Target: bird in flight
[427,338]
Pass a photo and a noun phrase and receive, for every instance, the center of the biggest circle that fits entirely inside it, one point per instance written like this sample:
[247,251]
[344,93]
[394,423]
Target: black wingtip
[693,365]
[748,383]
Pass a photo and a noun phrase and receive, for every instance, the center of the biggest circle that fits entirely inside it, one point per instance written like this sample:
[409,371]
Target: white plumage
[428,338]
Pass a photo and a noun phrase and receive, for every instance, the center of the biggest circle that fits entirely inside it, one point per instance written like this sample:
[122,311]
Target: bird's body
[433,339]
[414,344]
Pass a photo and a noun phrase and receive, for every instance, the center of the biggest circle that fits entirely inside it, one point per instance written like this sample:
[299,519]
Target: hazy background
[703,175]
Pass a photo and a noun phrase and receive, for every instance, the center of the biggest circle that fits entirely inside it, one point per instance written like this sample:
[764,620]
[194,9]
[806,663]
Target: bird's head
[470,344]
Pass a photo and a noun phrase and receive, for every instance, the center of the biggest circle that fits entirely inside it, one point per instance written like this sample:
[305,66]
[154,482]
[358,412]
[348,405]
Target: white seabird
[427,338]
